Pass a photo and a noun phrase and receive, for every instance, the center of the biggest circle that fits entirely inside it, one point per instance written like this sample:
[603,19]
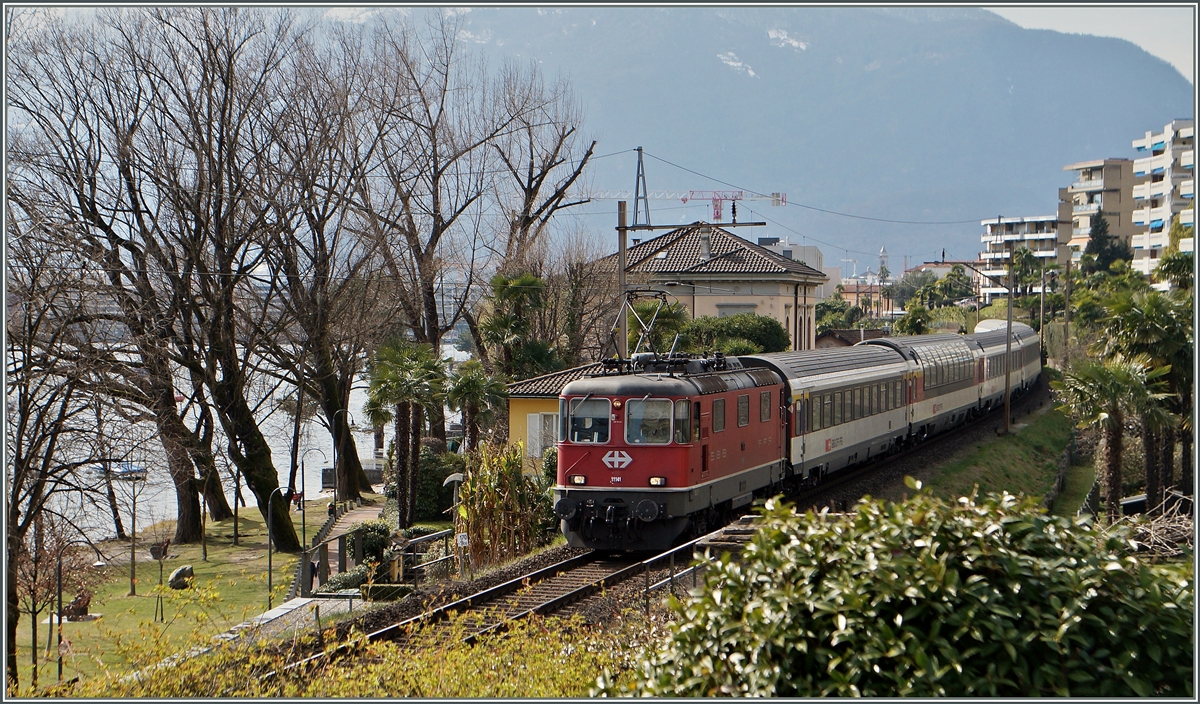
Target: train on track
[657,448]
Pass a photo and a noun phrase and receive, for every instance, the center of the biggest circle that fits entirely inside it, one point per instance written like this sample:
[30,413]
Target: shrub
[502,510]
[433,499]
[352,578]
[761,331]
[982,598]
[377,536]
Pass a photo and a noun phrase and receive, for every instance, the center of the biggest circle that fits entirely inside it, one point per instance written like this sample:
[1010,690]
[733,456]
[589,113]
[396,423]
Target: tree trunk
[214,493]
[402,443]
[249,450]
[13,607]
[414,462]
[1151,452]
[1112,468]
[470,427]
[1166,459]
[111,495]
[188,527]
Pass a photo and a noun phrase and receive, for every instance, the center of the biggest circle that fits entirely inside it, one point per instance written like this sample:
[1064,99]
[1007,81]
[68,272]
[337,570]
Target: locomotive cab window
[682,422]
[648,422]
[588,420]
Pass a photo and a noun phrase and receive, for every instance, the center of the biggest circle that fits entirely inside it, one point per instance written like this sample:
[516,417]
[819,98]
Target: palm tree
[472,391]
[1159,326]
[406,376]
[1102,395]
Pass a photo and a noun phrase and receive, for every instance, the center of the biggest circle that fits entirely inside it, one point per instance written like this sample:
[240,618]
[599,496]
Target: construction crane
[718,198]
[641,196]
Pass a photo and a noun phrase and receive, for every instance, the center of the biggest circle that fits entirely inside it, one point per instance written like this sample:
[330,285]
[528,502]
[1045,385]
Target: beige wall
[519,410]
[772,300]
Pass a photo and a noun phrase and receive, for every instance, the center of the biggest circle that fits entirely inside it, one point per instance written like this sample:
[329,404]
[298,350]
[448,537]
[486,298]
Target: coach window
[743,410]
[815,406]
[764,406]
[683,429]
[827,411]
[718,419]
[589,419]
[648,422]
[875,407]
[838,403]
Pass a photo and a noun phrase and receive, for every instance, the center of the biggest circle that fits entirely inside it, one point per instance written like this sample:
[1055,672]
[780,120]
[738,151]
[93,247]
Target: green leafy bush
[502,510]
[377,536]
[983,598]
[352,578]
[433,499]
[743,331]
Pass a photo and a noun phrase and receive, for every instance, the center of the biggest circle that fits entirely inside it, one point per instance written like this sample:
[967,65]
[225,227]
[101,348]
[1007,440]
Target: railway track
[557,588]
[541,592]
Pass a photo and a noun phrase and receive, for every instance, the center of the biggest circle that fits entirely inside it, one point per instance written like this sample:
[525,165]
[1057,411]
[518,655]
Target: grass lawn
[230,587]
[1025,463]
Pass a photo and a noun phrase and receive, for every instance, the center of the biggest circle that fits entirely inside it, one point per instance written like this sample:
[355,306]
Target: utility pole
[1008,343]
[623,319]
[1067,317]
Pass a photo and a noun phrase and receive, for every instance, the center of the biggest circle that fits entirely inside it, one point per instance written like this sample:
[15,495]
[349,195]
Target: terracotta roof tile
[680,252]
[550,385]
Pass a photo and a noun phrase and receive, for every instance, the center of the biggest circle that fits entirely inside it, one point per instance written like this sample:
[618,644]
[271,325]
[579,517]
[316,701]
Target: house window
[540,434]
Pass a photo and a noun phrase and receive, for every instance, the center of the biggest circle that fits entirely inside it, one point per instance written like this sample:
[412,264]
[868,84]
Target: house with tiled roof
[533,409]
[712,271]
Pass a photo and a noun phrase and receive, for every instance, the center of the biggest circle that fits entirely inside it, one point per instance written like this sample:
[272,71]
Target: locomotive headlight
[577,479]
[658,481]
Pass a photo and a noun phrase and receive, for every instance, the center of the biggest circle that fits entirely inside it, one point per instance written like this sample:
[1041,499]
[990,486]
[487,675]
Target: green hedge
[979,598]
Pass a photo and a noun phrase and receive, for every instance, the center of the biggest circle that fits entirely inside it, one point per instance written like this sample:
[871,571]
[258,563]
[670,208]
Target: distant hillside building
[714,272]
[806,254]
[1003,235]
[1164,188]
[1100,186]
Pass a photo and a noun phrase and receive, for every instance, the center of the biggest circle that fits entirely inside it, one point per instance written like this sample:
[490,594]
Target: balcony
[1187,159]
[1142,191]
[1187,217]
[1149,240]
[1095,184]
[1187,189]
[1152,216]
[1085,208]
[1153,164]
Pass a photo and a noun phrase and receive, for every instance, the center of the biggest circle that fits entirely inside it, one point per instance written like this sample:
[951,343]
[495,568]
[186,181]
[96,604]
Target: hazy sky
[1166,32]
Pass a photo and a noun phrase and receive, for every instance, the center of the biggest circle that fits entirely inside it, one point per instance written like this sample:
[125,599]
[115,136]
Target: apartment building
[1100,186]
[1002,236]
[1163,188]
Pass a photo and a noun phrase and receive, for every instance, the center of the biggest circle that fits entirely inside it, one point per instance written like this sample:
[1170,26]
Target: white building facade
[1163,188]
[1002,236]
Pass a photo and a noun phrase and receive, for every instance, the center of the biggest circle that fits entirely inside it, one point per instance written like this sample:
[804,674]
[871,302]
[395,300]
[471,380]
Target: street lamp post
[98,563]
[303,526]
[270,536]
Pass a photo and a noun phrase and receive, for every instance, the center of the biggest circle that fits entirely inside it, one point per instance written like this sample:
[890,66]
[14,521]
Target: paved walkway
[342,526]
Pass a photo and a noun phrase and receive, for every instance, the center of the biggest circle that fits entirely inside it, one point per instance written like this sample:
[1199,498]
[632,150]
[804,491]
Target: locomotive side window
[696,422]
[648,422]
[683,430]
[718,419]
[764,406]
[589,420]
[743,410]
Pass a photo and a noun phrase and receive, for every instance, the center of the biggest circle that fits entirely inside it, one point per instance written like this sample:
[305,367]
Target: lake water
[156,496]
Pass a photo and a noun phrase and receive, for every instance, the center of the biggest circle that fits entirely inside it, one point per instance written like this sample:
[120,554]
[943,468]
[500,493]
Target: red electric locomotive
[678,438]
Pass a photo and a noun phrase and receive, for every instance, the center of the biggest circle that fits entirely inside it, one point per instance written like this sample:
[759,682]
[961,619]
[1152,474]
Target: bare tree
[48,433]
[333,304]
[148,131]
[539,165]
